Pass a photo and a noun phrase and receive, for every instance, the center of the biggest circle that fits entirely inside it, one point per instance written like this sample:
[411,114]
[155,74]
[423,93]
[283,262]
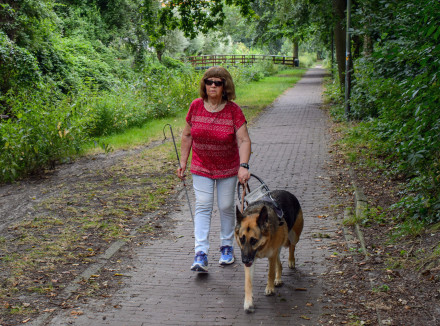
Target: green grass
[134,137]
[253,97]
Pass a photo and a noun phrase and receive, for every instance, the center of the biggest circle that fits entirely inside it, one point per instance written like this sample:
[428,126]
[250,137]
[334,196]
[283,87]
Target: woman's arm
[244,150]
[185,149]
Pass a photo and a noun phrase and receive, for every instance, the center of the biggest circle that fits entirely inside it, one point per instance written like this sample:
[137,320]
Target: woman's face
[214,91]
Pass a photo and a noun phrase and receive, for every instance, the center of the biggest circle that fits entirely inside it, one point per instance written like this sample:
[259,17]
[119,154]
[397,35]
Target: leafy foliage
[18,67]
[43,131]
[397,91]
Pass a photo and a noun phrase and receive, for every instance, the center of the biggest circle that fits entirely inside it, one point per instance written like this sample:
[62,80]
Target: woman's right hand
[181,172]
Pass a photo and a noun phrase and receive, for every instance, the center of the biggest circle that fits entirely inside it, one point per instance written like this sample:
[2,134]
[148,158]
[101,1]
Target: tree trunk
[339,7]
[368,45]
[159,55]
[295,48]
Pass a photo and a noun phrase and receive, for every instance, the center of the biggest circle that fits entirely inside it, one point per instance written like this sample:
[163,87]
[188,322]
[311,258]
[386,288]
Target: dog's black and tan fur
[259,234]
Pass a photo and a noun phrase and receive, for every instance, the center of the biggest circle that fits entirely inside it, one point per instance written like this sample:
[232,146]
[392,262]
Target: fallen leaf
[76,312]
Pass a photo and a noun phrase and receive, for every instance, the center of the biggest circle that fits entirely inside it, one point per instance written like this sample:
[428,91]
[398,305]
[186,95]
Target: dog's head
[251,232]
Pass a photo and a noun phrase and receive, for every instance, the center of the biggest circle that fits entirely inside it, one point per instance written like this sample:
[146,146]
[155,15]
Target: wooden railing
[231,59]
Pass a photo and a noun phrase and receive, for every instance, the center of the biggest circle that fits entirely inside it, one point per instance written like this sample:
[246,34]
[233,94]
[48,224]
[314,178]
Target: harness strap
[275,205]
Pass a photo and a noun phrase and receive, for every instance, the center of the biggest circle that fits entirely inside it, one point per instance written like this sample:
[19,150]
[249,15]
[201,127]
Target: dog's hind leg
[292,256]
[278,271]
[294,235]
[248,281]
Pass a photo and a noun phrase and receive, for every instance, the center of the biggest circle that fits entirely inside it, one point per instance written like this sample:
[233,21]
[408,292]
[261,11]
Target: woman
[217,134]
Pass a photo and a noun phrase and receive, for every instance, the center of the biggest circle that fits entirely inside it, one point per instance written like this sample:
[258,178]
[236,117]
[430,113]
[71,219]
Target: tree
[190,16]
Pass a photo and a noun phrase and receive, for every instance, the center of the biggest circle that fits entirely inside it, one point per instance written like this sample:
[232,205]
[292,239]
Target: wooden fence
[231,59]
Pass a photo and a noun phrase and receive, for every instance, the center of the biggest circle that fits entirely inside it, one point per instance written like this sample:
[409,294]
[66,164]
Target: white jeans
[204,191]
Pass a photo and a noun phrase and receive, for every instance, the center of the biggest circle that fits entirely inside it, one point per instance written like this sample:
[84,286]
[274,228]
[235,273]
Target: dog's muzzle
[248,260]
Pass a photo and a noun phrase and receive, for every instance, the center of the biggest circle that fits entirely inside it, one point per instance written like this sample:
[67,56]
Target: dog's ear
[263,218]
[239,215]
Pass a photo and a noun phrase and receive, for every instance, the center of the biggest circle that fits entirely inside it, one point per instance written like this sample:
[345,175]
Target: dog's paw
[269,291]
[291,264]
[249,307]
[278,283]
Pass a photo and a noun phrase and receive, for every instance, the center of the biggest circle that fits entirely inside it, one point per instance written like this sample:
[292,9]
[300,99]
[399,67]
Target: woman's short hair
[228,86]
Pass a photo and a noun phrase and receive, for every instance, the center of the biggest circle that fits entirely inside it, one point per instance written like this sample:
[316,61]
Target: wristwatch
[244,165]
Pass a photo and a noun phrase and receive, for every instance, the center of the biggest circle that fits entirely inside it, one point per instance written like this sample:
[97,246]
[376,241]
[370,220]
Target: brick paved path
[289,151]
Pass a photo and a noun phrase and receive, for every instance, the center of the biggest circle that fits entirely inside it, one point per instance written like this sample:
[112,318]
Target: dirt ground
[393,283]
[397,280]
[56,225]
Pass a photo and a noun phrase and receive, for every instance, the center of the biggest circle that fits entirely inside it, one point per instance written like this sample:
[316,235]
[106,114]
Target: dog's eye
[243,240]
[253,241]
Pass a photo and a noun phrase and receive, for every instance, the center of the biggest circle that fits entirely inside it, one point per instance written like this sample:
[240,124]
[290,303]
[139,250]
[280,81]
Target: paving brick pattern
[289,152]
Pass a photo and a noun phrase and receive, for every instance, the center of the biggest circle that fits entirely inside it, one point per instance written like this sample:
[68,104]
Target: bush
[18,67]
[48,126]
[307,60]
[246,73]
[43,132]
[171,63]
[167,91]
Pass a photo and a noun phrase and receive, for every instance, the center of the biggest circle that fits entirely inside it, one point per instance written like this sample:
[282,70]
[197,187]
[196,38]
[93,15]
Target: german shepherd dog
[260,233]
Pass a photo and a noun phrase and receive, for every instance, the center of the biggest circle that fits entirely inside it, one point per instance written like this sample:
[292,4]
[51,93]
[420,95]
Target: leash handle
[243,194]
[246,185]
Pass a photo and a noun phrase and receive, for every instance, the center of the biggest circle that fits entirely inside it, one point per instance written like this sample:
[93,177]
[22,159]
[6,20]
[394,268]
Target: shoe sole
[199,268]
[226,262]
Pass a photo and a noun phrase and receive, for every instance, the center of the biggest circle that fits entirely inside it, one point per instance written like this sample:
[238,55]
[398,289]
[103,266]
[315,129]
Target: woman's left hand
[243,175]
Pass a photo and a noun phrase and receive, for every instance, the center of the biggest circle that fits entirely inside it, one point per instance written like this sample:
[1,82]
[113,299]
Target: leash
[178,162]
[243,194]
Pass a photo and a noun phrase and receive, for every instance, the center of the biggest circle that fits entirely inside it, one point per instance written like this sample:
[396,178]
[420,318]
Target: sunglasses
[215,82]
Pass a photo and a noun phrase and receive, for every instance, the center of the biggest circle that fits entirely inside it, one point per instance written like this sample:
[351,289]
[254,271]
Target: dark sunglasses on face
[215,82]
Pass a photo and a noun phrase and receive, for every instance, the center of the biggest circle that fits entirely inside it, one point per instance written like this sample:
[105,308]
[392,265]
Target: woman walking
[217,134]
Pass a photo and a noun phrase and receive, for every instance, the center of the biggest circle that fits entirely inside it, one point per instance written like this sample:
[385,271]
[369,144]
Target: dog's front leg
[248,281]
[270,287]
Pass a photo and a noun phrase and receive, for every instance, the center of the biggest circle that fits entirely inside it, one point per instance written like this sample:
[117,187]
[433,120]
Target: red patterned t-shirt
[214,142]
